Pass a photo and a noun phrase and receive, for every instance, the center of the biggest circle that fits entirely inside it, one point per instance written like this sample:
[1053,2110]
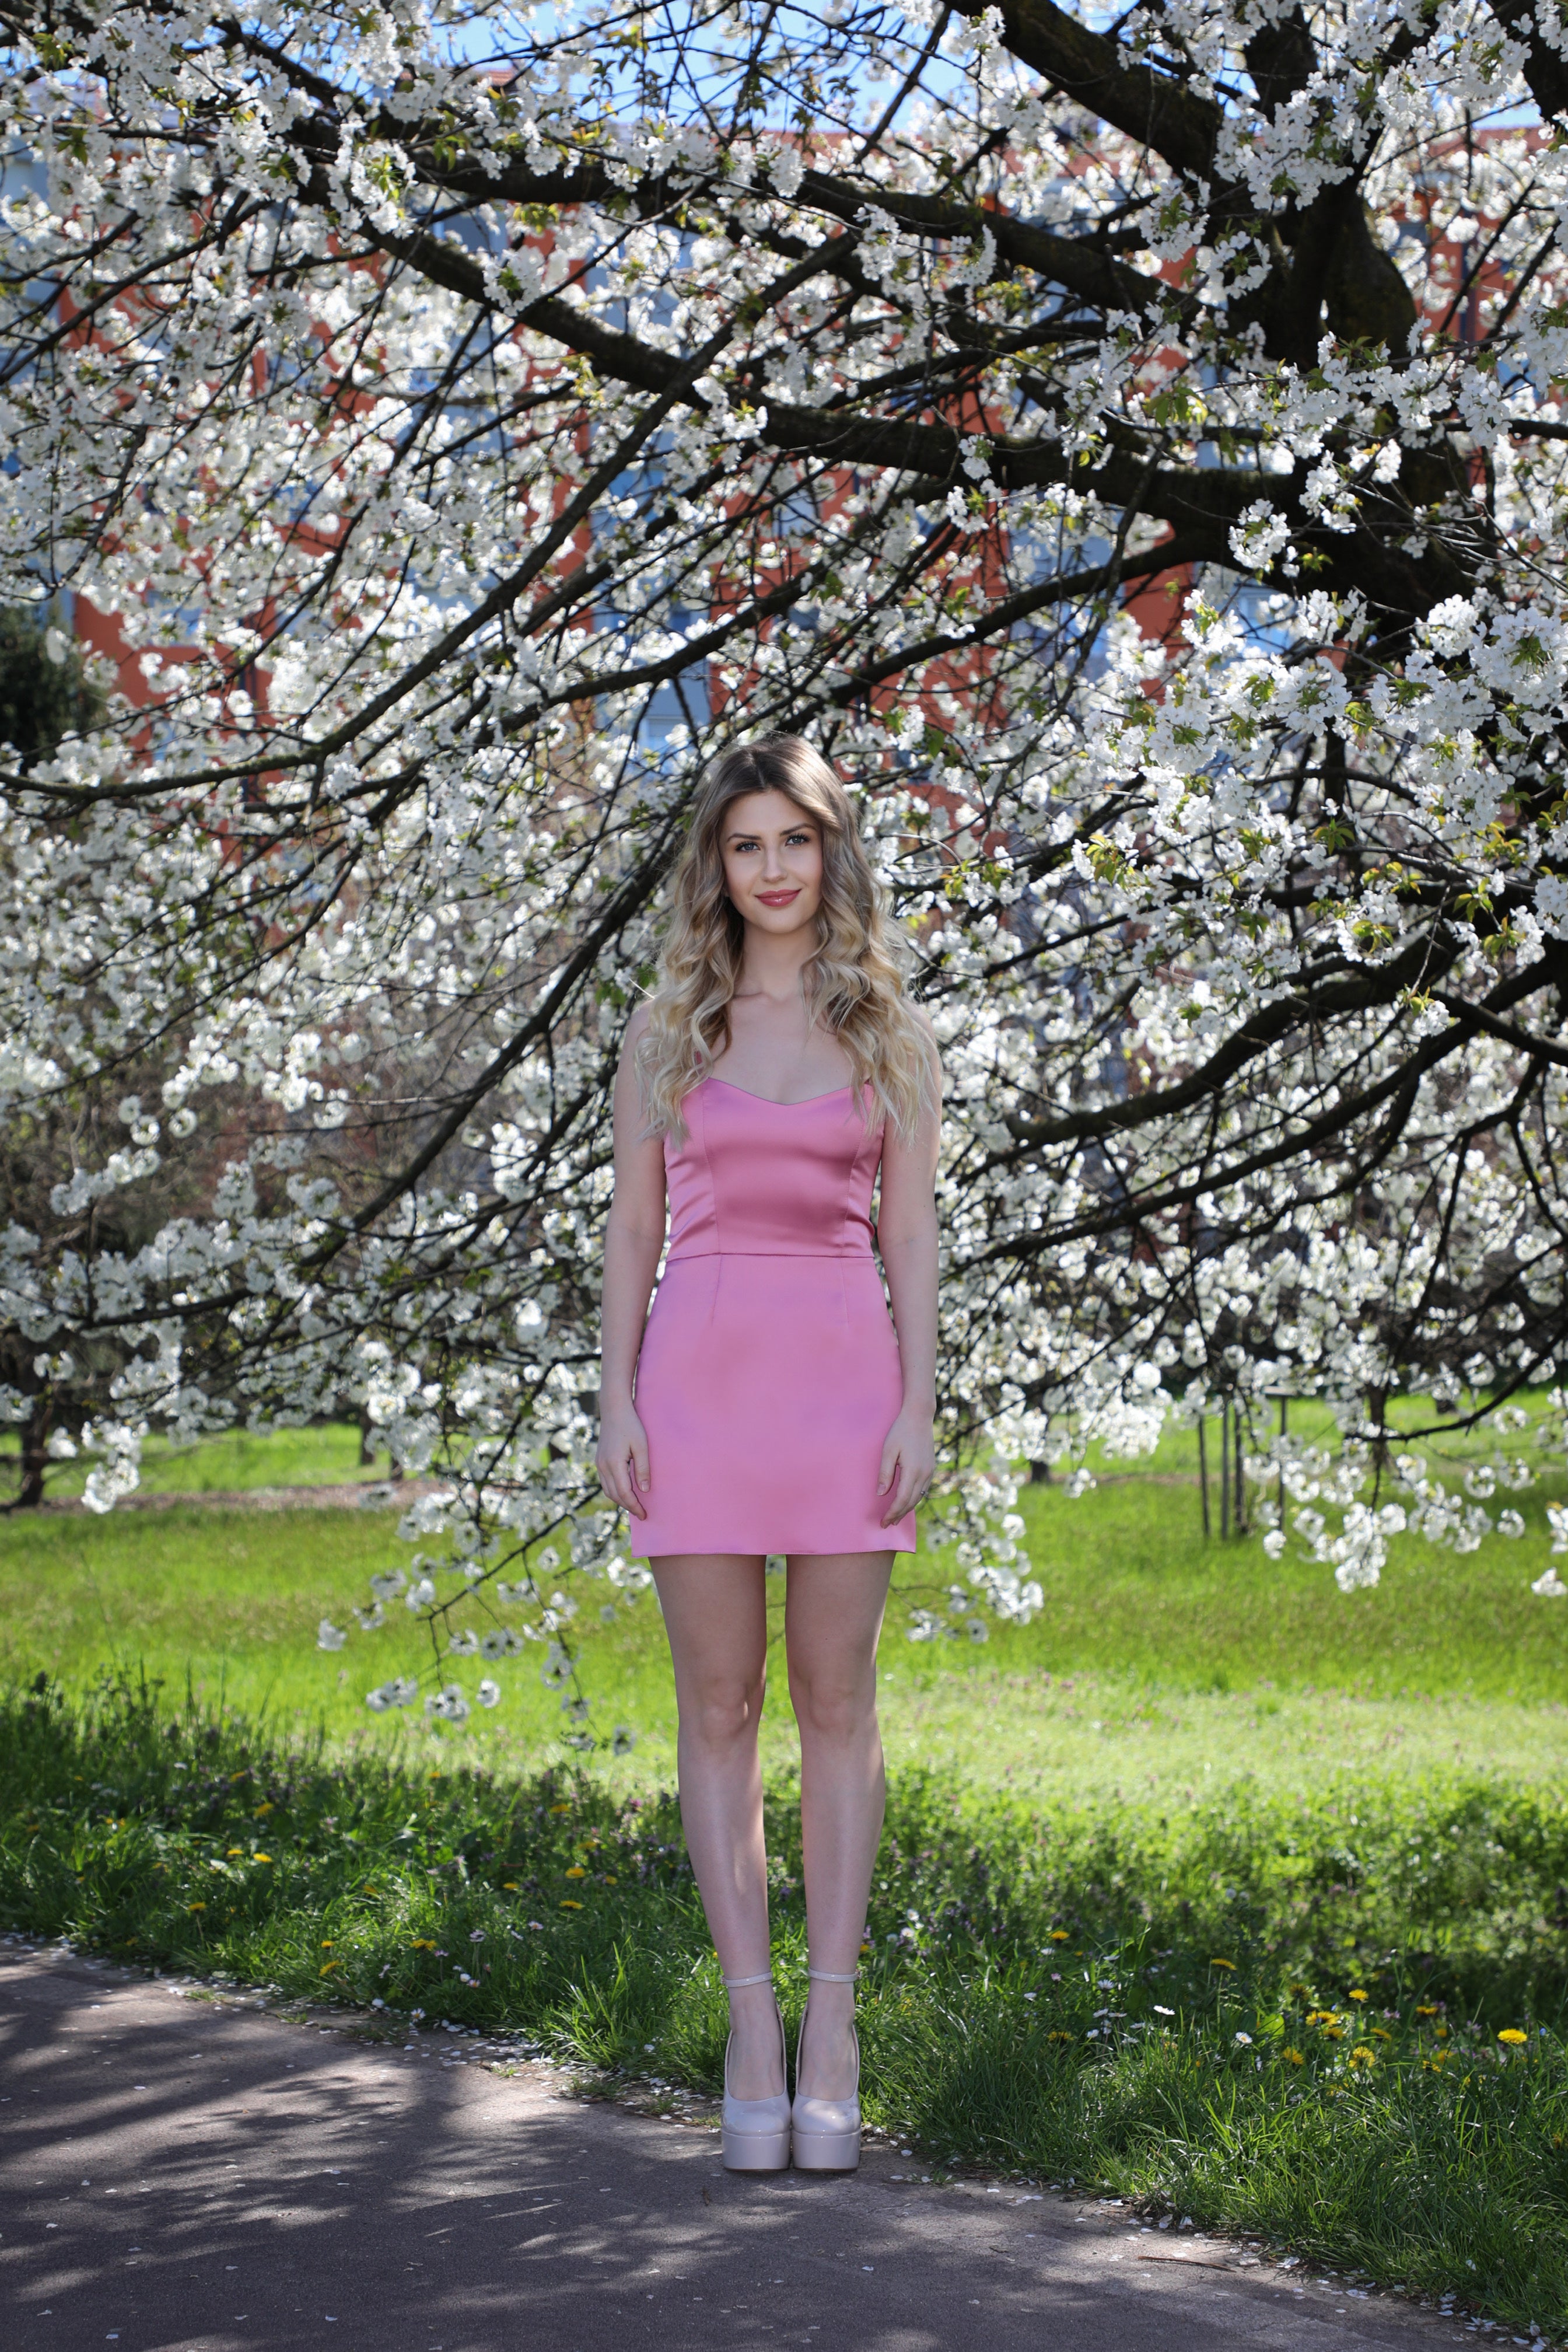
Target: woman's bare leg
[831,1622]
[716,1615]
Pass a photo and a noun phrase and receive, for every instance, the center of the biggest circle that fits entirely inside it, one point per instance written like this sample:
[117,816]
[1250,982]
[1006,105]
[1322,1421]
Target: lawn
[1333,2017]
[325,1455]
[1159,1664]
[1213,1886]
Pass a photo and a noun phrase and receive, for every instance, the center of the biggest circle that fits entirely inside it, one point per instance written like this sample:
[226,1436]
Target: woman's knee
[722,1711]
[833,1705]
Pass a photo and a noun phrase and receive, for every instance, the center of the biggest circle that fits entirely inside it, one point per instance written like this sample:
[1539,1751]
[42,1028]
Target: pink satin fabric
[769,1376]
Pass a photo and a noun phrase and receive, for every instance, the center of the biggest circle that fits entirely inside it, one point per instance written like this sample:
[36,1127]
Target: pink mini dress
[769,1376]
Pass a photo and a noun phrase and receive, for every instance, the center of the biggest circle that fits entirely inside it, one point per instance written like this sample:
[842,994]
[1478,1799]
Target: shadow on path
[180,2174]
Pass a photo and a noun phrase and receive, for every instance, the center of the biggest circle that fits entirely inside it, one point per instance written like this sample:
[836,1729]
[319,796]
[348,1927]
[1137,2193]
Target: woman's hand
[908,1463]
[622,1457]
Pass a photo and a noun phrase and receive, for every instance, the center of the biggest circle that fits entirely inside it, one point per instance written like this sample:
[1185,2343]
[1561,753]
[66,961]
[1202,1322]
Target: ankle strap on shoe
[734,1984]
[826,1976]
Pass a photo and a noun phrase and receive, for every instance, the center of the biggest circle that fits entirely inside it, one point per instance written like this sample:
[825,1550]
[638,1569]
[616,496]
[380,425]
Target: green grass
[1127,1577]
[1275,2013]
[327,1454]
[233,1597]
[1193,1754]
[1158,1664]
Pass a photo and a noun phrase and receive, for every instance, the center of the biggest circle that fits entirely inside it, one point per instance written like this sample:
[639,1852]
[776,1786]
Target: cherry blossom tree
[1132,450]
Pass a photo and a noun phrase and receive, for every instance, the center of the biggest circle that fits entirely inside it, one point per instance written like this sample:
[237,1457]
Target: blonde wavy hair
[854,983]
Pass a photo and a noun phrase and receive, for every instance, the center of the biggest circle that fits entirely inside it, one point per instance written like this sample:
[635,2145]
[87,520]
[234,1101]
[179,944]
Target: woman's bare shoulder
[636,1027]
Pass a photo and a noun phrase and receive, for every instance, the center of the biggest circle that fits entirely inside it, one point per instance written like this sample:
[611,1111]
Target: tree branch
[1097,71]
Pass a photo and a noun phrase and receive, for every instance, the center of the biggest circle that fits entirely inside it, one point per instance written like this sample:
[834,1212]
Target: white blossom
[1193,641]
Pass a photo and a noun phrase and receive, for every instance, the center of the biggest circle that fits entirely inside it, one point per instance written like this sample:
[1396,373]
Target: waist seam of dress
[815,1257]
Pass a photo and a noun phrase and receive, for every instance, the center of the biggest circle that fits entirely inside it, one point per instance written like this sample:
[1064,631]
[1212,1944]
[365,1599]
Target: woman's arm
[906,1237]
[633,1236]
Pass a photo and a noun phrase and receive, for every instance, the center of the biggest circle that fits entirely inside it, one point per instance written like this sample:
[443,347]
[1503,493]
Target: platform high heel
[825,2134]
[756,2134]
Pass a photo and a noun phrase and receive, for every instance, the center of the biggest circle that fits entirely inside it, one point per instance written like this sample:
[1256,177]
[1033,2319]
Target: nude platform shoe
[825,2134]
[756,2133]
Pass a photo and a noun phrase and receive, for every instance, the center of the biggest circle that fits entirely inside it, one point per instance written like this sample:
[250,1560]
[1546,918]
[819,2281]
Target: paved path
[180,2174]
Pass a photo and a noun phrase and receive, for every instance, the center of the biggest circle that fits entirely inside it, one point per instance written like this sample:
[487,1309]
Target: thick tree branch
[1363,992]
[1101,74]
[1131,1212]
[1545,69]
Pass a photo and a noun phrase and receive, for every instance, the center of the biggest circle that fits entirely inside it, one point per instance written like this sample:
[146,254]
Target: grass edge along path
[1336,2022]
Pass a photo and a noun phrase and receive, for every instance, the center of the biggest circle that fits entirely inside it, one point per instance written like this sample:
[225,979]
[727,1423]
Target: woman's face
[772,862]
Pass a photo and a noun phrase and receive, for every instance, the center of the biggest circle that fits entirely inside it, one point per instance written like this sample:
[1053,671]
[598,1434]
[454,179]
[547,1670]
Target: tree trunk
[35,1452]
[1284,1426]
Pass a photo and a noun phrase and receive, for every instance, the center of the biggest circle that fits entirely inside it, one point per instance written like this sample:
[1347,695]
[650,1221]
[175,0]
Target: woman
[775,1070]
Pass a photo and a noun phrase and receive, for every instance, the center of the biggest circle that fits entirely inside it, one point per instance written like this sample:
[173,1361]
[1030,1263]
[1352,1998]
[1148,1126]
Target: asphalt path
[182,2171]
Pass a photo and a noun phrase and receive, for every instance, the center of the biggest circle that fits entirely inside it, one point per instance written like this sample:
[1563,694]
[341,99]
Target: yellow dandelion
[1059,1936]
[195,1907]
[1513,2037]
[509,1886]
[1224,1964]
[422,1944]
[1356,1993]
[329,1967]
[325,1943]
[231,1852]
[577,1870]
[1293,2057]
[1427,2009]
[261,1858]
[1364,2055]
[561,1809]
[567,1905]
[611,1879]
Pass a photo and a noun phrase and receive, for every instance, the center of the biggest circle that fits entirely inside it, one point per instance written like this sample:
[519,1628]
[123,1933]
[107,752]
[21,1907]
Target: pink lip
[776,897]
